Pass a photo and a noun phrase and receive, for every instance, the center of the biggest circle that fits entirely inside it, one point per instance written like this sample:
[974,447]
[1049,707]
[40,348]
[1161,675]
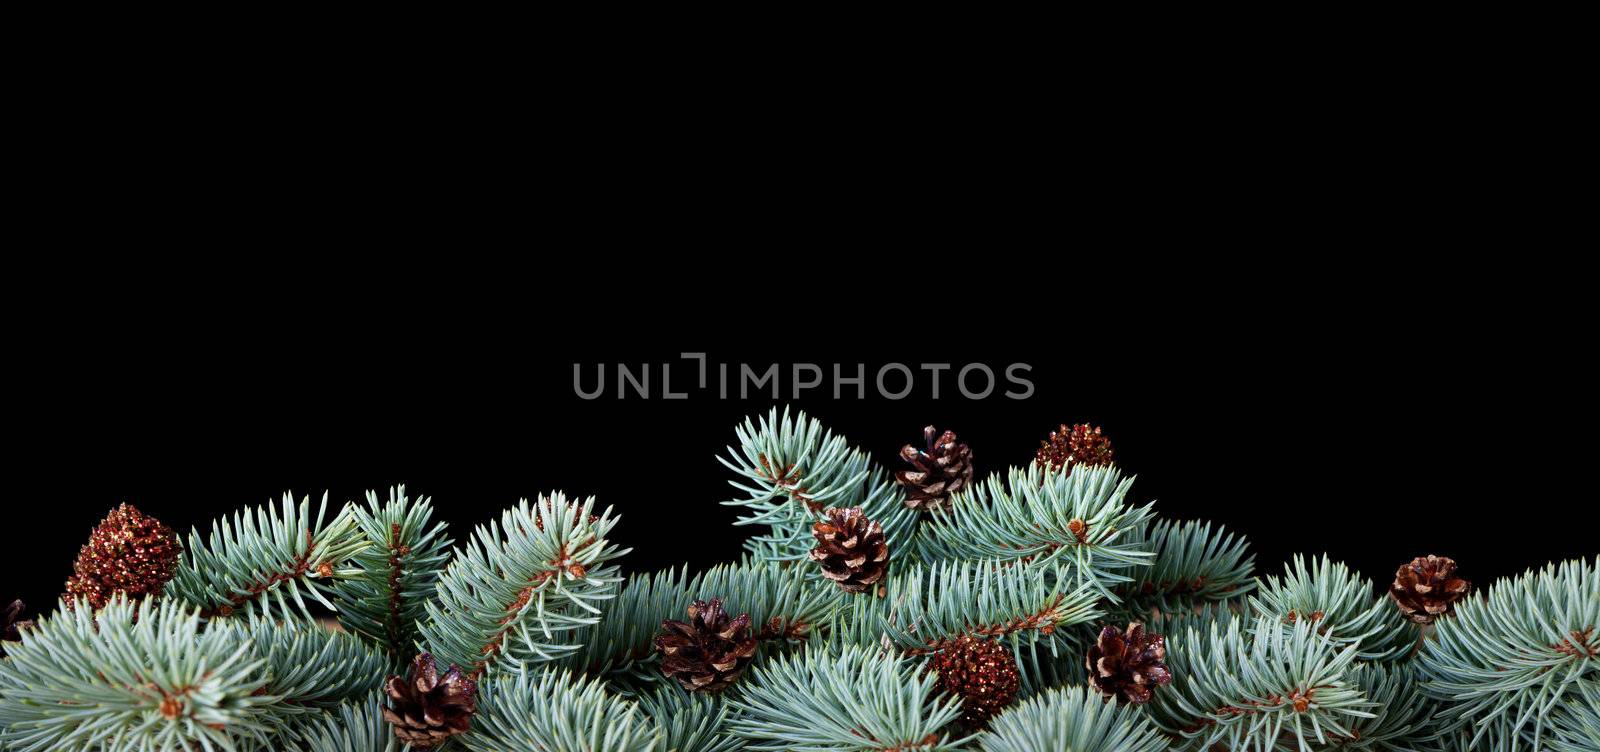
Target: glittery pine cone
[1128,665]
[1069,447]
[425,708]
[941,469]
[981,672]
[130,552]
[709,651]
[12,625]
[1428,588]
[850,549]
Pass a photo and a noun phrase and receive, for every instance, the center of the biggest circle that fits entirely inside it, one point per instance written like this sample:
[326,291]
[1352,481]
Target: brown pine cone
[425,708]
[851,549]
[1073,446]
[1428,588]
[707,652]
[129,552]
[981,672]
[1128,664]
[942,469]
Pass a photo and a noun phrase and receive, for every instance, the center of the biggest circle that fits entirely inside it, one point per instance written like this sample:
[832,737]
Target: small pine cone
[1073,446]
[12,625]
[707,652]
[851,549]
[1428,588]
[129,552]
[981,672]
[1128,665]
[425,708]
[942,469]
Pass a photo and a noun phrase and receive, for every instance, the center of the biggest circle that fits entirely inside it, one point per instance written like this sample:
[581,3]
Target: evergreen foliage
[1071,718]
[554,711]
[396,573]
[1194,565]
[272,555]
[1344,606]
[844,698]
[520,590]
[791,469]
[1256,685]
[1507,659]
[1079,519]
[783,603]
[535,608]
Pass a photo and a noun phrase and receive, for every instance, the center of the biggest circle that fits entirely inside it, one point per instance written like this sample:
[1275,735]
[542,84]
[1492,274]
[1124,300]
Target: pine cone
[851,549]
[128,552]
[12,625]
[1128,665]
[1428,588]
[425,708]
[942,469]
[980,671]
[1081,444]
[707,652]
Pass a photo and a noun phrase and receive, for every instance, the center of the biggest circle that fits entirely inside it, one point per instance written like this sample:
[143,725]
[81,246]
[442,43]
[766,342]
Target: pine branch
[1256,686]
[1341,604]
[553,711]
[1575,724]
[928,603]
[1504,660]
[396,573]
[134,677]
[1079,520]
[1402,719]
[520,589]
[783,607]
[848,698]
[264,556]
[356,726]
[690,722]
[791,469]
[1193,565]
[1071,719]
[311,668]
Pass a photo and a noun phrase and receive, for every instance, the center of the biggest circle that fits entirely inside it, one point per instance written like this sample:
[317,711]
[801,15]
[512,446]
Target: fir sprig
[846,698]
[521,588]
[135,677]
[1503,661]
[396,573]
[1080,519]
[1071,719]
[267,560]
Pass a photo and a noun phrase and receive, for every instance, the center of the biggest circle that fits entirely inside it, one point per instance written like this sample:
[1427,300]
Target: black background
[1373,440]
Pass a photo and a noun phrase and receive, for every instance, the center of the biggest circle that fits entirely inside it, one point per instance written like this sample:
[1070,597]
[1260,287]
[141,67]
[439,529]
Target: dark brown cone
[1128,665]
[940,470]
[850,549]
[12,625]
[129,552]
[1069,447]
[980,671]
[425,708]
[1428,588]
[707,652]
